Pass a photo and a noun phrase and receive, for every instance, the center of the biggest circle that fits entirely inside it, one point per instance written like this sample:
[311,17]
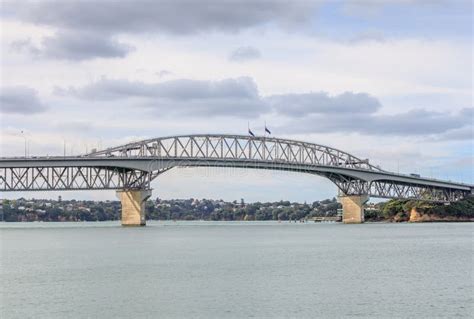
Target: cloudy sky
[385,80]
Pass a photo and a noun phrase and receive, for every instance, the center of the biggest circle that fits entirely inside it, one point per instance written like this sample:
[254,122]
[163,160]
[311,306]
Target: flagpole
[264,140]
[250,140]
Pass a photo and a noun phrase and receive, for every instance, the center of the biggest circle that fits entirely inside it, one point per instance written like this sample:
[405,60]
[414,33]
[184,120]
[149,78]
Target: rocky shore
[419,217]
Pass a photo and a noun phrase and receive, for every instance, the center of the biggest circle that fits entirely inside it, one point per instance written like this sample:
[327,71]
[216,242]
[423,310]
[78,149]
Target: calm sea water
[236,270]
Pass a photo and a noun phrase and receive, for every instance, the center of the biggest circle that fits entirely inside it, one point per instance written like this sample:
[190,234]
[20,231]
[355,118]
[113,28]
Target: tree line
[219,210]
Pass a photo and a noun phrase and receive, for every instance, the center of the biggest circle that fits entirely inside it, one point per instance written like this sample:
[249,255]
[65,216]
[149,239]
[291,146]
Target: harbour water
[236,270]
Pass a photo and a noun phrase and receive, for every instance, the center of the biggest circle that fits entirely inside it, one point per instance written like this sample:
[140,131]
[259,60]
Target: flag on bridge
[251,133]
[267,130]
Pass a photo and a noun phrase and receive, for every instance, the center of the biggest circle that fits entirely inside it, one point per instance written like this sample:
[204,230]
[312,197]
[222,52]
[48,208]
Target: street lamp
[23,134]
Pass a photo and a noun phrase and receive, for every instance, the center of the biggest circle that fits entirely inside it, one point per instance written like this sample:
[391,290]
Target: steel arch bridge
[133,166]
[130,168]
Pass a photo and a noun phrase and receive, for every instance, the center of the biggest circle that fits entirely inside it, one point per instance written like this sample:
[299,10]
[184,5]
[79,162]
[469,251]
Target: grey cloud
[105,19]
[414,122]
[179,17]
[297,105]
[20,100]
[418,122]
[82,46]
[229,97]
[305,113]
[75,46]
[244,53]
[359,113]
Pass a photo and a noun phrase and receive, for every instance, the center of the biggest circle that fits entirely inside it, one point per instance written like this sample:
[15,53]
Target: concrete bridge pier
[133,206]
[353,208]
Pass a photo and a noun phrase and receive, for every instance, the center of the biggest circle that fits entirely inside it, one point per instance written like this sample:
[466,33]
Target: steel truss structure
[234,147]
[72,178]
[135,165]
[391,189]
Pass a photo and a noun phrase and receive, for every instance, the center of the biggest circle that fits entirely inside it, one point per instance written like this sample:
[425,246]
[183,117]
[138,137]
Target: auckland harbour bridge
[131,168]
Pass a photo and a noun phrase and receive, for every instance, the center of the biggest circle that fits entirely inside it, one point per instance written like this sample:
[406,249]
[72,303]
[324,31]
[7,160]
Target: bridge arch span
[237,147]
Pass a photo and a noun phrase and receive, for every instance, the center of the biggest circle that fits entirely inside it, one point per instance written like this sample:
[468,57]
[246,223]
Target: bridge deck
[147,163]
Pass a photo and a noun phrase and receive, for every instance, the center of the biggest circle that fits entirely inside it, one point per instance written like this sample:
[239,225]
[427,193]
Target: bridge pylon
[133,206]
[353,208]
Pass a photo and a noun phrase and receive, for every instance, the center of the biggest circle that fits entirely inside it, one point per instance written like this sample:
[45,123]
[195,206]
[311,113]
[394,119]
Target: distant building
[371,207]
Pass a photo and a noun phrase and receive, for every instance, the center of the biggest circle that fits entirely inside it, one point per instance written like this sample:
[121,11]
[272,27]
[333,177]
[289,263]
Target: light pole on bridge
[23,135]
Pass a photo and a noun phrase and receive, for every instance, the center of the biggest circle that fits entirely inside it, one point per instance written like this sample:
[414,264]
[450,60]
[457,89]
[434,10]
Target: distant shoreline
[29,210]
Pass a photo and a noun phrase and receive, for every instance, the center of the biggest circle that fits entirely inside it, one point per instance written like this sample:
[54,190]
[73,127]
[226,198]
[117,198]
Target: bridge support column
[353,208]
[133,206]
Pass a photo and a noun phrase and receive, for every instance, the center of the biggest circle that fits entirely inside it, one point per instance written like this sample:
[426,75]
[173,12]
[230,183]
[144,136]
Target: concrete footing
[133,206]
[353,208]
